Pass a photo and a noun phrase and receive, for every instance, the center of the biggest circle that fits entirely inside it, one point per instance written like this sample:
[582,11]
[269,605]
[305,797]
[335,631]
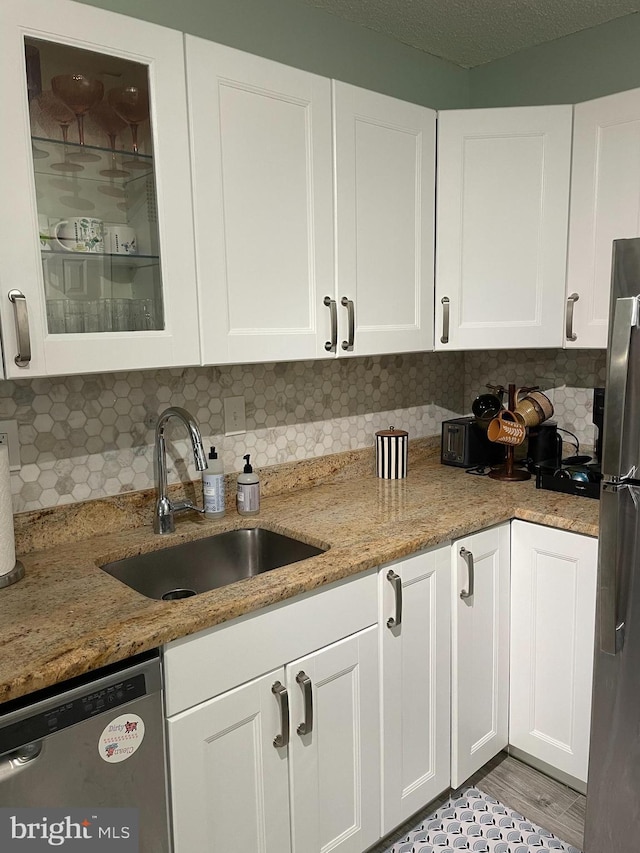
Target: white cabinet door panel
[161,50]
[553,599]
[502,212]
[480,652]
[385,195]
[605,206]
[416,707]
[229,783]
[335,769]
[262,182]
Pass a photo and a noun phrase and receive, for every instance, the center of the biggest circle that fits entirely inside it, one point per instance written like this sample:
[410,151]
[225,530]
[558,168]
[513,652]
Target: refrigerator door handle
[625,319]
[611,631]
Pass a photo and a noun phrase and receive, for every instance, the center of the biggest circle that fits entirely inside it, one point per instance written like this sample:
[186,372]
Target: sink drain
[174,594]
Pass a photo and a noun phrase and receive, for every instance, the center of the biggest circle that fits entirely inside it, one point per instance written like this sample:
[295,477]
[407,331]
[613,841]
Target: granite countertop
[67,617]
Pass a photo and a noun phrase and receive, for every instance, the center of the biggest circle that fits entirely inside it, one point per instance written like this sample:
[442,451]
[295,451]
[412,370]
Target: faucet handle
[181,506]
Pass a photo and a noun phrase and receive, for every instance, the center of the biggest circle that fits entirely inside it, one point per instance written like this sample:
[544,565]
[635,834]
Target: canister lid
[392,431]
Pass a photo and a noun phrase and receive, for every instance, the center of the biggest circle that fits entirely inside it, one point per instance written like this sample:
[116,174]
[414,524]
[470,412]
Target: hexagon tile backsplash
[85,437]
[568,377]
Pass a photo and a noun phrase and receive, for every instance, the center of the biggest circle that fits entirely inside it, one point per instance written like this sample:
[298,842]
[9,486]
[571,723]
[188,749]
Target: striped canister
[392,449]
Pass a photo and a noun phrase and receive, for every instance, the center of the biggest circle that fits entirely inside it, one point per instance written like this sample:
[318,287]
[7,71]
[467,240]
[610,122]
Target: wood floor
[540,799]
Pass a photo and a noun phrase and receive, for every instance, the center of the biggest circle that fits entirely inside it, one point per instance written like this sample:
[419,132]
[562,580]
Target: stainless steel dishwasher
[98,741]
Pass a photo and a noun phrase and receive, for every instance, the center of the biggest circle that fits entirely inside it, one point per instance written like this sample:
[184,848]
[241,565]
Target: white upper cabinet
[96,232]
[501,234]
[605,205]
[385,196]
[262,185]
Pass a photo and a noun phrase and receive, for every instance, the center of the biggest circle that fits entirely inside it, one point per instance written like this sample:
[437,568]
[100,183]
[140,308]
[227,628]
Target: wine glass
[52,107]
[79,93]
[111,123]
[131,103]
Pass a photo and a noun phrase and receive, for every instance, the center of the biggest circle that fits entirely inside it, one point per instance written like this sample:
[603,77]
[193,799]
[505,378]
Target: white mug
[80,234]
[120,240]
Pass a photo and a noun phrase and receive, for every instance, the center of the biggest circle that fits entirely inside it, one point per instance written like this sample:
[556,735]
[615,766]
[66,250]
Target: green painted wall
[306,37]
[585,65]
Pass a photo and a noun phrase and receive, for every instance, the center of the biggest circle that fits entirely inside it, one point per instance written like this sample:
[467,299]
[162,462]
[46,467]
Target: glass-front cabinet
[96,230]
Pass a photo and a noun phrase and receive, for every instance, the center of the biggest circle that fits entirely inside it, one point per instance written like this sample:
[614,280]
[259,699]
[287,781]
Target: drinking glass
[56,316]
[143,311]
[131,103]
[79,93]
[73,316]
[111,123]
[121,315]
[52,107]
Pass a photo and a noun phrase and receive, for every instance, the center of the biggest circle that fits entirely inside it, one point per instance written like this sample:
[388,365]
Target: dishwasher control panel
[67,714]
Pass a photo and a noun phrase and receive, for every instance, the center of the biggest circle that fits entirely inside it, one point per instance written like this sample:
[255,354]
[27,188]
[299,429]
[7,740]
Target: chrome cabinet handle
[304,681]
[332,345]
[19,301]
[611,630]
[467,556]
[396,582]
[280,692]
[444,339]
[571,301]
[625,319]
[348,304]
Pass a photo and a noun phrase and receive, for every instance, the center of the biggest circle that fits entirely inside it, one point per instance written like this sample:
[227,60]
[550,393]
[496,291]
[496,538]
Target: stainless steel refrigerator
[613,794]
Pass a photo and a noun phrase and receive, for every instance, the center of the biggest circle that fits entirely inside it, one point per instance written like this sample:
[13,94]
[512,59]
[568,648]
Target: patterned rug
[471,820]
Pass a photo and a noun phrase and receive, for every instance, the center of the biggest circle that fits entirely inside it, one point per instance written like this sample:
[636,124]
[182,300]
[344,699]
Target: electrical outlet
[9,436]
[235,421]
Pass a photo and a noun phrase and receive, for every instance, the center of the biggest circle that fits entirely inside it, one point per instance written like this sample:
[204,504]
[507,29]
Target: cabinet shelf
[51,152]
[95,258]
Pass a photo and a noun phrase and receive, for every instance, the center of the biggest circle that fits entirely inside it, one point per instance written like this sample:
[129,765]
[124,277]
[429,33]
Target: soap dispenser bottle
[248,497]
[213,486]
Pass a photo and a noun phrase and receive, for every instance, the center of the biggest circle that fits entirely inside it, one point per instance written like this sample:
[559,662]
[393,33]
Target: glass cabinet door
[95,187]
[110,221]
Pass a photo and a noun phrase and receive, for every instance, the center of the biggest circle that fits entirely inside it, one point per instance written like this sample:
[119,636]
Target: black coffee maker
[545,447]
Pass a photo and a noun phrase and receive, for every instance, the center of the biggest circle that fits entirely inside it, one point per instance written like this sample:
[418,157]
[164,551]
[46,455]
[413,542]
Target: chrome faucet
[165,510]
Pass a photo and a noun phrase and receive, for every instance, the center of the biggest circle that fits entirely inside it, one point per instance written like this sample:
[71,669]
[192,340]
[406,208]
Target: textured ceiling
[471,32]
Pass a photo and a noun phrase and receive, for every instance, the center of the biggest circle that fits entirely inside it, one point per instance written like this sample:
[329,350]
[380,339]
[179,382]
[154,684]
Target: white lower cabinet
[323,723]
[334,760]
[479,650]
[289,760]
[229,784]
[415,667]
[553,600]
[262,764]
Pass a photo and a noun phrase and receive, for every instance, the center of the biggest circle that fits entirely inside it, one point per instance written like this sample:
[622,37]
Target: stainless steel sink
[185,570]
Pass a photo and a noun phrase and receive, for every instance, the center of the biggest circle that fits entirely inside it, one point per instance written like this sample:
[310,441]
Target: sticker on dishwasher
[121,738]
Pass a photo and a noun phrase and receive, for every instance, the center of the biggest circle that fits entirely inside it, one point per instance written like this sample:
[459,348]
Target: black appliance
[579,479]
[545,447]
[465,444]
